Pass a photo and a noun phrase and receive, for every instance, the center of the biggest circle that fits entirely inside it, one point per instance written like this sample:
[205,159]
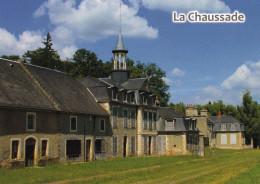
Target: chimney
[204,112]
[191,110]
[219,113]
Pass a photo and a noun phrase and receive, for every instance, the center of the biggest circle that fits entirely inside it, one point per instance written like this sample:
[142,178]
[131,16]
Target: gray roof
[179,125]
[136,84]
[232,124]
[100,93]
[19,89]
[223,119]
[120,44]
[111,82]
[92,82]
[169,113]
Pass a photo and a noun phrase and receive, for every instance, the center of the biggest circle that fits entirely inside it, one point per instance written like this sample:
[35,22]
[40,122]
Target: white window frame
[223,127]
[47,146]
[74,116]
[34,121]
[233,139]
[114,90]
[124,96]
[100,125]
[223,140]
[19,148]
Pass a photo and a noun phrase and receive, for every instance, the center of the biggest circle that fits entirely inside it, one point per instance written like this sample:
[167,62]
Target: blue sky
[202,61]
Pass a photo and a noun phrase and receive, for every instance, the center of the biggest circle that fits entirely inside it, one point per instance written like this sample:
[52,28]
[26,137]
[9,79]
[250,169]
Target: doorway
[149,145]
[124,147]
[88,143]
[29,152]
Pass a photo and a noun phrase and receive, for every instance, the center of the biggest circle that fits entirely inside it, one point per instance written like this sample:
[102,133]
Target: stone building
[178,134]
[46,116]
[133,109]
[219,131]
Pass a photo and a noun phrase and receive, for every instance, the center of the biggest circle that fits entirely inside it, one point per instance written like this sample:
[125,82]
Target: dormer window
[223,127]
[124,96]
[114,94]
[144,99]
[132,98]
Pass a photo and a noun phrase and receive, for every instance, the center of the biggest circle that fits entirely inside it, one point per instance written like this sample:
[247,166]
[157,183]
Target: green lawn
[225,166]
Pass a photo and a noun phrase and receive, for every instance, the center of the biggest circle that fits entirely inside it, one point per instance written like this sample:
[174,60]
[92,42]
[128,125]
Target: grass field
[225,166]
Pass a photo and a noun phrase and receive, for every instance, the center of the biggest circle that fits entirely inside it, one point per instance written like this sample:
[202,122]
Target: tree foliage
[45,57]
[249,114]
[11,57]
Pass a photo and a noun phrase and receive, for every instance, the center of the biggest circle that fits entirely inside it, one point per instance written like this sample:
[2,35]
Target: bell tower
[120,73]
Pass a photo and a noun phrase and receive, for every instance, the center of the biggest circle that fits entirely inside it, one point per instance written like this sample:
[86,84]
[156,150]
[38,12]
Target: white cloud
[247,76]
[213,91]
[177,72]
[67,52]
[96,19]
[186,5]
[28,40]
[167,80]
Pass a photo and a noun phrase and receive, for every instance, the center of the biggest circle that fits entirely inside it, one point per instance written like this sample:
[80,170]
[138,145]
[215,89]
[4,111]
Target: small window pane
[15,147]
[44,147]
[102,125]
[73,123]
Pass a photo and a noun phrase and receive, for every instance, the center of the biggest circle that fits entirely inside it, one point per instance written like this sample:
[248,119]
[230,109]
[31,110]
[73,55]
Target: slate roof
[111,82]
[223,119]
[232,124]
[93,82]
[17,88]
[100,93]
[169,113]
[136,84]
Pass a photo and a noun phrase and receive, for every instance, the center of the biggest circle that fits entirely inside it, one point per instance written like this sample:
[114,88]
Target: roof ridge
[41,87]
[54,70]
[10,60]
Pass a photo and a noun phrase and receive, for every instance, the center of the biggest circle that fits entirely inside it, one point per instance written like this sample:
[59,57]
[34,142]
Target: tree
[45,57]
[86,64]
[249,114]
[180,107]
[11,57]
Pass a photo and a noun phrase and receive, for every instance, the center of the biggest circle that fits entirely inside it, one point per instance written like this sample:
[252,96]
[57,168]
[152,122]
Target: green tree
[249,114]
[180,107]
[11,57]
[45,57]
[86,64]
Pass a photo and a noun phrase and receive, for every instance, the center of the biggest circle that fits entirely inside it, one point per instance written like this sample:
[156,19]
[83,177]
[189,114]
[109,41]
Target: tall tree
[45,57]
[86,64]
[249,114]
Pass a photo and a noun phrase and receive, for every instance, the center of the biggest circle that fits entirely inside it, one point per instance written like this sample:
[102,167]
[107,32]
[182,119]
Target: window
[132,98]
[154,144]
[195,124]
[114,146]
[145,120]
[145,144]
[133,145]
[144,99]
[150,121]
[154,120]
[223,127]
[102,125]
[233,139]
[124,96]
[125,118]
[31,121]
[73,149]
[233,127]
[223,139]
[170,124]
[133,118]
[44,148]
[190,125]
[114,115]
[73,123]
[15,149]
[100,146]
[114,94]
